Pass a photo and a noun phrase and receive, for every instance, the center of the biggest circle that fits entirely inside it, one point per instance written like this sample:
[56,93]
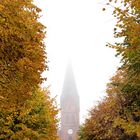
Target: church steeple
[69,86]
[69,107]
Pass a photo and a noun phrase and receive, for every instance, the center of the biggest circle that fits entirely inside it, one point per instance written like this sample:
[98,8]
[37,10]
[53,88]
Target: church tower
[70,107]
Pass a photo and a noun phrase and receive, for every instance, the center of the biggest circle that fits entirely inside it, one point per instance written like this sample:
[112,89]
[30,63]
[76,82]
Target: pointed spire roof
[69,87]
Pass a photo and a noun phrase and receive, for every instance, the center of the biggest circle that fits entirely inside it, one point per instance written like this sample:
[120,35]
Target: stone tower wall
[69,108]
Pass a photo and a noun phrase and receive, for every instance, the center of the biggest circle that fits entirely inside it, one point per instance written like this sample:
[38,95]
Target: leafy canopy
[22,51]
[118,115]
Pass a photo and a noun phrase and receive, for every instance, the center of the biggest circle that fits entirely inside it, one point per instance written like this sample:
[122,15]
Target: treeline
[117,117]
[27,112]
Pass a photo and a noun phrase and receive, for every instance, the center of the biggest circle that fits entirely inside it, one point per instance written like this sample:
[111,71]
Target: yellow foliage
[26,113]
[118,116]
[37,119]
[22,51]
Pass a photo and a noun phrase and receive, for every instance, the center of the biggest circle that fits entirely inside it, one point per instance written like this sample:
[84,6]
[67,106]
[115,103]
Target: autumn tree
[98,125]
[128,28]
[26,111]
[100,122]
[36,120]
[124,87]
[22,51]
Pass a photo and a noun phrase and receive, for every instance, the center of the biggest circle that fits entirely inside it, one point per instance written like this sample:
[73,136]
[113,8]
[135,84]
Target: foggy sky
[78,30]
